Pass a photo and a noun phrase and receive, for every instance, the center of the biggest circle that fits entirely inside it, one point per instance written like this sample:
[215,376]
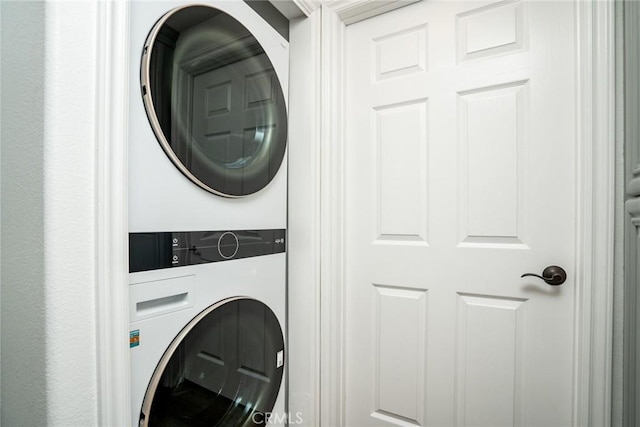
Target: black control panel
[153,251]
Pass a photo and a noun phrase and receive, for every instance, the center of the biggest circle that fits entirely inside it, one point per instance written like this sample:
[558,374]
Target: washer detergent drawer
[158,297]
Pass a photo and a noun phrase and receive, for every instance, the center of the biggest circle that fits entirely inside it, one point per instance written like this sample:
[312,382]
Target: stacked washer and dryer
[208,204]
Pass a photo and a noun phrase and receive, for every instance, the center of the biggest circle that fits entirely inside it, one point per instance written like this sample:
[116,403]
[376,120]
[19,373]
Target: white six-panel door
[461,176]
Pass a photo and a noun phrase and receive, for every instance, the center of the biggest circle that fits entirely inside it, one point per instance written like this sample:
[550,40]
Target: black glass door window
[224,369]
[214,100]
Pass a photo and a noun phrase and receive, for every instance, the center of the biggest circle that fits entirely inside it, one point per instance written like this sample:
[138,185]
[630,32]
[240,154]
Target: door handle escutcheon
[552,275]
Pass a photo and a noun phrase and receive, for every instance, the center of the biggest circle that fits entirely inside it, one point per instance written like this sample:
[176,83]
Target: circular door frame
[169,352]
[153,117]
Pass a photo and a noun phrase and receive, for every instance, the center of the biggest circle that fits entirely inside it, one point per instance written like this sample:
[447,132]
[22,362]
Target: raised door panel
[401,169]
[400,351]
[493,179]
[489,360]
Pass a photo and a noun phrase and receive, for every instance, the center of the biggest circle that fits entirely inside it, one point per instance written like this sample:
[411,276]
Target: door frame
[112,226]
[595,130]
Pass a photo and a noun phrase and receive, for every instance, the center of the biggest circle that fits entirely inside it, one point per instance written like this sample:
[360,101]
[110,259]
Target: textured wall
[47,220]
[22,141]
[69,220]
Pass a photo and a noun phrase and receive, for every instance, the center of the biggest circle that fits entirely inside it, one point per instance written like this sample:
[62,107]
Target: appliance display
[151,251]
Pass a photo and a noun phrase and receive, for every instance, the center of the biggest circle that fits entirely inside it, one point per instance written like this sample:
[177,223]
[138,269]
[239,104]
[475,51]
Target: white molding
[307,7]
[596,202]
[633,209]
[352,11]
[294,9]
[633,186]
[332,222]
[111,213]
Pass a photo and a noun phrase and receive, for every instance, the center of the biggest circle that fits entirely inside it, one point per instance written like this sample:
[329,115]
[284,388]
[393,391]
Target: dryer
[208,118]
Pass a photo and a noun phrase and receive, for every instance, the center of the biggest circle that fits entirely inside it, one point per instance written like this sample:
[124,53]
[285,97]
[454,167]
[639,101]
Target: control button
[228,245]
[178,240]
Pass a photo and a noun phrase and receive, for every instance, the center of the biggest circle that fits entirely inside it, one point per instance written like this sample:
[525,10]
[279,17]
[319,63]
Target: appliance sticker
[134,338]
[280,359]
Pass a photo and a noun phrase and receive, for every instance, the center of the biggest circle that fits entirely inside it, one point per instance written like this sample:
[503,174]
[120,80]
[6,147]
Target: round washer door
[214,100]
[223,369]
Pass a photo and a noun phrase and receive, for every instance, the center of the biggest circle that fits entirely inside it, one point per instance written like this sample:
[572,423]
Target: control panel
[153,251]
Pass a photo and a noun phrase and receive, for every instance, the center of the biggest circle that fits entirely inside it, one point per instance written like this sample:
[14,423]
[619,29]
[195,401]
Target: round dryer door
[214,100]
[223,369]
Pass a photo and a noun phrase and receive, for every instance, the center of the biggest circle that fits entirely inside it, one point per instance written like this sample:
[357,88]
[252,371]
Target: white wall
[48,278]
[22,142]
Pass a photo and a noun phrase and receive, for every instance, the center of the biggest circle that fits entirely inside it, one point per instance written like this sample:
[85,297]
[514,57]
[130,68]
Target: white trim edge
[350,11]
[331,222]
[307,7]
[111,213]
[596,169]
[294,9]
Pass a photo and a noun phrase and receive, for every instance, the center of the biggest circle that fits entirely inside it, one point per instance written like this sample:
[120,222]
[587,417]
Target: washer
[208,119]
[207,334]
[207,215]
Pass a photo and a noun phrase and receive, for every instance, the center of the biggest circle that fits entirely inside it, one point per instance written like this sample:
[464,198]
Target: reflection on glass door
[225,369]
[214,101]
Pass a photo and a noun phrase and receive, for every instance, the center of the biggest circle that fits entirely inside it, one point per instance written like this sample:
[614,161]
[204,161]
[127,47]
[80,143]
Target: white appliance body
[164,301]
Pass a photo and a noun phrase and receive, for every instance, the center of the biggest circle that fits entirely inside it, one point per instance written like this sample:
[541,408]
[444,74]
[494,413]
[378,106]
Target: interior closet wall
[48,142]
[23,338]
